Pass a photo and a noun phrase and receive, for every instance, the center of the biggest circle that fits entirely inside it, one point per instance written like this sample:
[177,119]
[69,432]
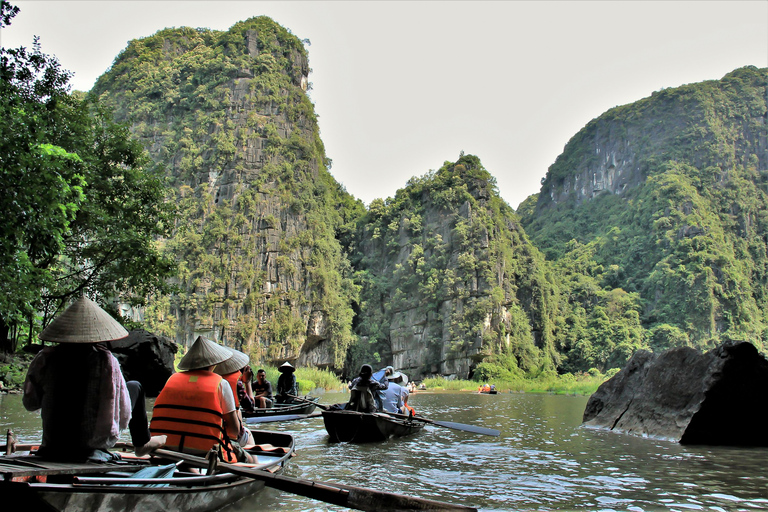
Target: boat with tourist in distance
[363,427]
[134,484]
[306,406]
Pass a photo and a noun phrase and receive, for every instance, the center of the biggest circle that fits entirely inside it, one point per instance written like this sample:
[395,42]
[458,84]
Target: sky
[401,87]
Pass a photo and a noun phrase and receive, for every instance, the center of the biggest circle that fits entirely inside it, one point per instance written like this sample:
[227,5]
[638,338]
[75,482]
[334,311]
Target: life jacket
[189,413]
[232,378]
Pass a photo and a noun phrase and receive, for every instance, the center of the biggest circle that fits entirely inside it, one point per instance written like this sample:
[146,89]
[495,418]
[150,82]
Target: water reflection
[543,460]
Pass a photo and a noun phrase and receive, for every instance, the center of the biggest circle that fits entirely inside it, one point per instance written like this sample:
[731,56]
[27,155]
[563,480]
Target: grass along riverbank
[567,384]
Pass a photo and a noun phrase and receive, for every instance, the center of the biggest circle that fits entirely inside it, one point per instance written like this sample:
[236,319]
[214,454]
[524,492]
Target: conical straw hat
[234,363]
[202,354]
[286,367]
[83,322]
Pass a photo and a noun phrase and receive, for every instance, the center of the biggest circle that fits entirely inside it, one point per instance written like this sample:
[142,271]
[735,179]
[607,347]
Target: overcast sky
[401,87]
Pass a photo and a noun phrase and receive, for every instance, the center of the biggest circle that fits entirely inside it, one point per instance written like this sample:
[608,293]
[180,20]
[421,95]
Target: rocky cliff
[716,123]
[667,196]
[449,279]
[227,115]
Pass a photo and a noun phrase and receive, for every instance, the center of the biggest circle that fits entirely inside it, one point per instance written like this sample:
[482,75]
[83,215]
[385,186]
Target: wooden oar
[282,417]
[450,424]
[447,424]
[343,495]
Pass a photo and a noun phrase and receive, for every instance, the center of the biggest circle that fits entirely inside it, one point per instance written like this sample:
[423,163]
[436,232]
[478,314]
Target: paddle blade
[467,428]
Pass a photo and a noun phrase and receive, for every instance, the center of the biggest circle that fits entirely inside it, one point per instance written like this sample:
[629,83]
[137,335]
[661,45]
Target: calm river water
[543,460]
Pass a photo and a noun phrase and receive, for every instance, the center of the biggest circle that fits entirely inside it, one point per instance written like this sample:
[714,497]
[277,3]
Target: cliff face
[669,195]
[716,123]
[449,279]
[227,115]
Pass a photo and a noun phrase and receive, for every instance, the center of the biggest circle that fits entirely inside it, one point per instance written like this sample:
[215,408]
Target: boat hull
[282,409]
[73,487]
[358,427]
[88,499]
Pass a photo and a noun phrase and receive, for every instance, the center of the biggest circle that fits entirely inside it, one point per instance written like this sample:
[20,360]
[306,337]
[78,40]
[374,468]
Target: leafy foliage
[684,239]
[256,241]
[448,250]
[81,210]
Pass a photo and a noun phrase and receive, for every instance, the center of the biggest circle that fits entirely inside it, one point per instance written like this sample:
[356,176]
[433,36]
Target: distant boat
[363,427]
[489,392]
[306,406]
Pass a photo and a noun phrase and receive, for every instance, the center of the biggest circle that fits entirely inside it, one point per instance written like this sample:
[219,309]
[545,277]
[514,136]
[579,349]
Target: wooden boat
[305,407]
[491,392]
[134,484]
[364,427]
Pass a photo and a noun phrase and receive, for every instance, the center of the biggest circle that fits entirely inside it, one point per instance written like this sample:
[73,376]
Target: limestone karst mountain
[666,199]
[228,116]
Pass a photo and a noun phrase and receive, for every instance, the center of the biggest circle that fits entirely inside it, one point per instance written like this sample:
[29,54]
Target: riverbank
[13,369]
[567,384]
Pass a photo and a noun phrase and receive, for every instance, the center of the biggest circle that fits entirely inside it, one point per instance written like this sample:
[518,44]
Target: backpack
[361,399]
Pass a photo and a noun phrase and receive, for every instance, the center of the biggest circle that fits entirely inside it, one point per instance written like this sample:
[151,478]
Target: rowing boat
[364,427]
[134,484]
[307,406]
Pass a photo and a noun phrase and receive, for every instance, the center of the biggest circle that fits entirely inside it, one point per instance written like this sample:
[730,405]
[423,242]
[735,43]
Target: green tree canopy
[81,212]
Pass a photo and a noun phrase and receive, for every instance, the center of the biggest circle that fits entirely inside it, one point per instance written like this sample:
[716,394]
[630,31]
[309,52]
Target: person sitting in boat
[262,390]
[245,389]
[485,389]
[81,390]
[287,387]
[407,409]
[383,377]
[393,398]
[230,371]
[362,389]
[196,407]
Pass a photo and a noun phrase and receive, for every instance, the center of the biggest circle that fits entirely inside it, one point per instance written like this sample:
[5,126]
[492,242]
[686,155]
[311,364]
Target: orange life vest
[188,411]
[232,378]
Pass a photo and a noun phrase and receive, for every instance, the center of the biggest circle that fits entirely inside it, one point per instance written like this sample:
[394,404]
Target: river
[543,460]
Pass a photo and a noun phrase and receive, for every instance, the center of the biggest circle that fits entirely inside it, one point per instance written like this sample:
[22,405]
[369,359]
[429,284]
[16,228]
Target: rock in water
[716,398]
[147,358]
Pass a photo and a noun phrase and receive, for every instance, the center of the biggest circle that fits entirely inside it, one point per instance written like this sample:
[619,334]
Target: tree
[81,209]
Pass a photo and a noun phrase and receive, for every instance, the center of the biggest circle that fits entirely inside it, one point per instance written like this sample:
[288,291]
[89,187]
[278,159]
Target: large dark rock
[147,358]
[716,398]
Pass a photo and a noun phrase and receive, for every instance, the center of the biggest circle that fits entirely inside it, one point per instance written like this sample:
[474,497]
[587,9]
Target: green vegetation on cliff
[449,280]
[256,243]
[658,208]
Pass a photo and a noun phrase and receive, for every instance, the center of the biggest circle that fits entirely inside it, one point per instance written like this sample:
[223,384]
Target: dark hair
[261,370]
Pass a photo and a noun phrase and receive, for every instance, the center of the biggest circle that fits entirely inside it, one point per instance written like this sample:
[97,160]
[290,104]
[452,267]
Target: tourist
[262,390]
[393,398]
[196,408]
[230,371]
[407,409]
[287,387]
[382,376]
[81,390]
[362,389]
[245,390]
